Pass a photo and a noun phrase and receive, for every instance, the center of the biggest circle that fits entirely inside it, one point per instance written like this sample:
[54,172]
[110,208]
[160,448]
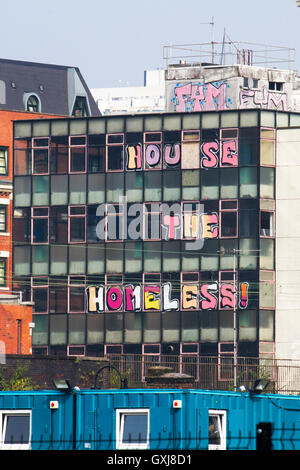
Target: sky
[114,41]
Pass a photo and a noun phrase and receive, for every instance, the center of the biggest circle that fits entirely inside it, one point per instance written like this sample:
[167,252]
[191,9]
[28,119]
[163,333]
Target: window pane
[95,329]
[247,223]
[115,186]
[40,161]
[266,325]
[76,329]
[190,326]
[17,429]
[96,257]
[152,327]
[133,257]
[152,186]
[134,187]
[171,256]
[247,325]
[210,184]
[59,189]
[209,255]
[248,253]
[115,155]
[267,152]
[77,159]
[135,428]
[77,189]
[171,186]
[214,430]
[22,191]
[227,260]
[226,326]
[76,299]
[114,327]
[58,260]
[209,326]
[40,260]
[3,161]
[77,259]
[40,230]
[96,188]
[267,224]
[228,224]
[40,331]
[21,260]
[152,256]
[114,257]
[96,159]
[229,183]
[58,297]
[267,178]
[190,185]
[22,161]
[248,146]
[40,190]
[133,328]
[170,326]
[248,182]
[58,329]
[266,253]
[77,229]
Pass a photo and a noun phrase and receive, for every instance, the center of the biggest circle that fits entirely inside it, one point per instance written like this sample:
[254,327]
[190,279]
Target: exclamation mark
[244,294]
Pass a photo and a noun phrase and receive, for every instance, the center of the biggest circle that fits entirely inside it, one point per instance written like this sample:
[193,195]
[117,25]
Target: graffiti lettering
[157,297]
[264,99]
[211,155]
[196,97]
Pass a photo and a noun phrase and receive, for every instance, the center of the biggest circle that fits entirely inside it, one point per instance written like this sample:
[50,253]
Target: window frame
[3,213]
[3,424]
[4,157]
[70,154]
[111,144]
[34,148]
[40,217]
[222,418]
[4,278]
[74,216]
[120,414]
[223,211]
[157,143]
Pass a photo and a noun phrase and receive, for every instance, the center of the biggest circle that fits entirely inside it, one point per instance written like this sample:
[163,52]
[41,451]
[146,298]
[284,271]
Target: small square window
[15,430]
[132,429]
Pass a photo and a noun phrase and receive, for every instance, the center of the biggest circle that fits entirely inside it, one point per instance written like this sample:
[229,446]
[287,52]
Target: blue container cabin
[146,419]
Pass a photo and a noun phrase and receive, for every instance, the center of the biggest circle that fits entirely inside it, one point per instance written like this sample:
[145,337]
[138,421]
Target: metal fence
[209,373]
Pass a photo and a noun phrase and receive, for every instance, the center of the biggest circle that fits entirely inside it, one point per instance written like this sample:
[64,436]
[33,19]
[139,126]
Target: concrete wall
[213,88]
[288,245]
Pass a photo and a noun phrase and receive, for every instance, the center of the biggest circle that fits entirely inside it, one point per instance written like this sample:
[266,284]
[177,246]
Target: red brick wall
[10,334]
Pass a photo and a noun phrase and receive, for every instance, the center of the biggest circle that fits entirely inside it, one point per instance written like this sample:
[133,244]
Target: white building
[131,100]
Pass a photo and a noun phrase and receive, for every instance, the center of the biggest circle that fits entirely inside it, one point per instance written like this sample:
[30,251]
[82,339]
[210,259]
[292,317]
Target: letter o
[114,298]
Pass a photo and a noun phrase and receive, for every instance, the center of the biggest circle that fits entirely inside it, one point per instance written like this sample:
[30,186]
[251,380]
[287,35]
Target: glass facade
[147,230]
